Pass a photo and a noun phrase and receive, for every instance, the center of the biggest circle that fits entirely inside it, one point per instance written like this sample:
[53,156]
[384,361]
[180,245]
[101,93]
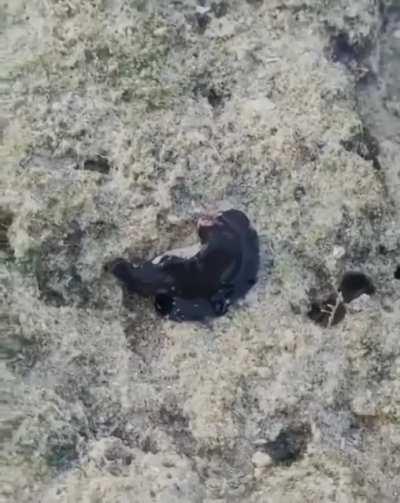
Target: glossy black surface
[206,284]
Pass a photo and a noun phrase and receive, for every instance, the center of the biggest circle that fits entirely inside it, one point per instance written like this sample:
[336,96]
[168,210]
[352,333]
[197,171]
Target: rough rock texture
[121,120]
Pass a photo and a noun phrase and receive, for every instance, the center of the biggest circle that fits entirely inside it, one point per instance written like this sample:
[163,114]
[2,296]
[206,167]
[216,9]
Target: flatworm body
[207,283]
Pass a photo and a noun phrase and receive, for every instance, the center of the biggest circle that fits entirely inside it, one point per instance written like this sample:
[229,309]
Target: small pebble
[160,32]
[338,252]
[261,459]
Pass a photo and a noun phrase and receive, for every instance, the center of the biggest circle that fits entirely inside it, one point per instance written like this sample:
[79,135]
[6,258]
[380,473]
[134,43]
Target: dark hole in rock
[202,20]
[354,284]
[215,97]
[397,272]
[299,192]
[365,145]
[382,250]
[163,304]
[6,219]
[127,95]
[98,163]
[219,9]
[342,49]
[290,445]
[327,312]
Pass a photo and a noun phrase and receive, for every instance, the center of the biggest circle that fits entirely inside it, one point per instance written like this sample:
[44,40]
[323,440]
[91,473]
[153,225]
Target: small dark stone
[98,163]
[354,284]
[397,272]
[290,445]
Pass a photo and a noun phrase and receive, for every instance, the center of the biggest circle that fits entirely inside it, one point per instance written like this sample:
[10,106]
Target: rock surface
[120,122]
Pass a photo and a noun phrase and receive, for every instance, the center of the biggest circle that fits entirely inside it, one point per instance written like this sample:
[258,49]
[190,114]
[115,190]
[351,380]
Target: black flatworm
[207,283]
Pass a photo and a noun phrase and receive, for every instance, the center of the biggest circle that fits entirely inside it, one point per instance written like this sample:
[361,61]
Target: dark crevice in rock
[98,163]
[355,284]
[397,272]
[6,219]
[346,51]
[327,311]
[290,444]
